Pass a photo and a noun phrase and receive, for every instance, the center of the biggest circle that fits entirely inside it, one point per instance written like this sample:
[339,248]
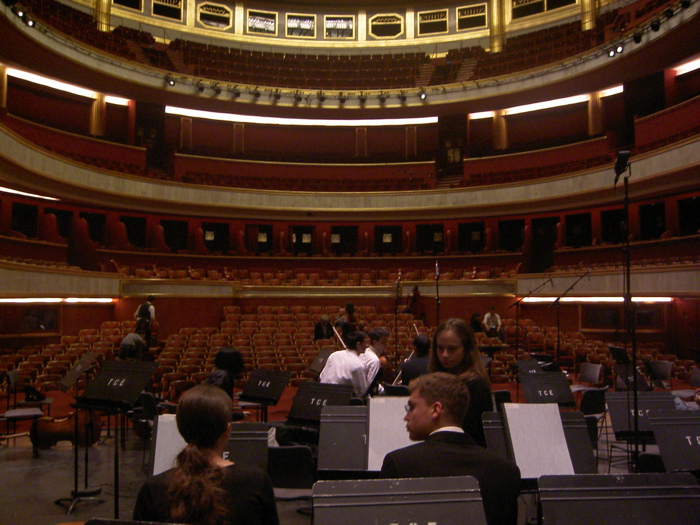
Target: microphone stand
[556,303]
[622,164]
[517,309]
[437,293]
[396,320]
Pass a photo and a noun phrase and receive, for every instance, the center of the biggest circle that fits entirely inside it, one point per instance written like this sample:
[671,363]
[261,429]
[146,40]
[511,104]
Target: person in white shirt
[378,338]
[492,322]
[344,366]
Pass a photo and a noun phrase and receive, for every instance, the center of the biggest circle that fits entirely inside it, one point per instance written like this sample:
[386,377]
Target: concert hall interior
[254,166]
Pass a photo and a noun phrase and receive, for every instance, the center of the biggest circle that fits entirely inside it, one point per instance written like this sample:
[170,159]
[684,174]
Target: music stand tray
[612,499]
[547,387]
[310,399]
[447,501]
[677,433]
[265,387]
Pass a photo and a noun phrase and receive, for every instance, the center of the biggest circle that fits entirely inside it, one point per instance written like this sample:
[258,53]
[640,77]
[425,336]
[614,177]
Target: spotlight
[342,98]
[235,92]
[685,4]
[619,48]
[382,98]
[216,88]
[276,95]
[17,10]
[28,21]
[297,96]
[422,95]
[255,93]
[402,96]
[169,80]
[611,52]
[637,37]
[668,12]
[200,87]
[321,96]
[655,24]
[362,98]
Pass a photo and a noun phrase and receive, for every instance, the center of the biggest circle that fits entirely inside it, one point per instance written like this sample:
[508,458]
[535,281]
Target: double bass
[50,430]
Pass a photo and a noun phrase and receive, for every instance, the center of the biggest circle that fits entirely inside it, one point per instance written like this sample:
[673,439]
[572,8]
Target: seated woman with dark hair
[204,488]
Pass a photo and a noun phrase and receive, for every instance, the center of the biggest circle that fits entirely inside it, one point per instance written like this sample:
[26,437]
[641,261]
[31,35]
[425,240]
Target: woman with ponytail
[204,488]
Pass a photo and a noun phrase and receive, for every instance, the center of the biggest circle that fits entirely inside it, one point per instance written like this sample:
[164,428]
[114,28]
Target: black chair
[593,404]
[143,418]
[292,470]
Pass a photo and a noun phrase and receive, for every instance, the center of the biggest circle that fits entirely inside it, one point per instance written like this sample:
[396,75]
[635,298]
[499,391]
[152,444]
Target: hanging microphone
[398,279]
[437,270]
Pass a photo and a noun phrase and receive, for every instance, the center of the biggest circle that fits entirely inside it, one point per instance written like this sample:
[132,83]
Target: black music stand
[642,499]
[265,388]
[115,390]
[304,417]
[677,433]
[447,501]
[547,387]
[320,360]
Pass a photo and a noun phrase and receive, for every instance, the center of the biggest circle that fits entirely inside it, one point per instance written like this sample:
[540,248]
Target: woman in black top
[204,488]
[454,350]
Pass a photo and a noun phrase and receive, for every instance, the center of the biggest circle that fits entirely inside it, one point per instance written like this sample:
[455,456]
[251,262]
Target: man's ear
[436,410]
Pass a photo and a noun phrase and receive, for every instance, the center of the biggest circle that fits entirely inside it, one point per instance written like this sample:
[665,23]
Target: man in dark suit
[434,415]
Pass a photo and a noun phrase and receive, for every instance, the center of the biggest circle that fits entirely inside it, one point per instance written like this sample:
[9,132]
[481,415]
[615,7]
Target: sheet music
[387,429]
[537,438]
[167,443]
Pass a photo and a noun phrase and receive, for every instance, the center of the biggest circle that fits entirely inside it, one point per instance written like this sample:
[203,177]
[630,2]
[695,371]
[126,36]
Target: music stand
[642,499]
[547,387]
[342,442]
[447,501]
[320,360]
[265,388]
[115,390]
[677,433]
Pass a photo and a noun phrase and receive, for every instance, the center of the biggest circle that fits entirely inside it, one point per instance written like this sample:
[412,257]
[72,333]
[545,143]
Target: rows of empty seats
[307,71]
[317,277]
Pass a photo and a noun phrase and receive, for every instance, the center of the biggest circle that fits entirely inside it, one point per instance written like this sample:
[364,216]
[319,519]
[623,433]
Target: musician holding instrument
[417,364]
[455,351]
[344,367]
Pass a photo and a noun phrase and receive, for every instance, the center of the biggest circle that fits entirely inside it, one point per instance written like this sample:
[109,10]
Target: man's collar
[448,429]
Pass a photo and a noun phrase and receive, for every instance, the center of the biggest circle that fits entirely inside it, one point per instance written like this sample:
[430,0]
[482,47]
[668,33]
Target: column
[102,13]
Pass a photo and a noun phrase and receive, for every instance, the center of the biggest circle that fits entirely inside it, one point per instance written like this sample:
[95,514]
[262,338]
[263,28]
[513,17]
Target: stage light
[611,52]
[277,95]
[169,80]
[362,98]
[422,95]
[321,97]
[669,12]
[255,93]
[29,22]
[342,98]
[637,37]
[216,88]
[619,48]
[685,4]
[235,92]
[200,87]
[297,96]
[382,98]
[17,10]
[655,24]
[402,96]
